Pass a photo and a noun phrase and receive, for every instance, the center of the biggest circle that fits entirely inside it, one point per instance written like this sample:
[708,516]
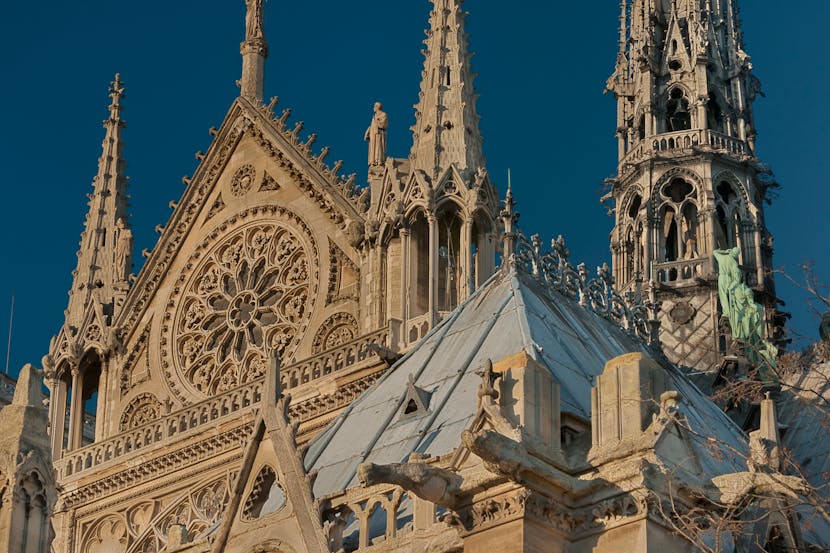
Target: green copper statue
[746,317]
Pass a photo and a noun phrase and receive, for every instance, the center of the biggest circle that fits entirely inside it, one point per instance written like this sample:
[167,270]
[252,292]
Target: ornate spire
[446,130]
[104,257]
[254,52]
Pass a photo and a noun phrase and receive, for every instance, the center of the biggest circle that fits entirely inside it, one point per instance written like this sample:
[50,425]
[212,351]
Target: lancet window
[419,263]
[633,240]
[728,213]
[678,221]
[678,117]
[450,268]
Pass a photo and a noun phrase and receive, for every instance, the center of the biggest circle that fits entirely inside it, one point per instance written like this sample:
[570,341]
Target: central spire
[446,130]
[254,52]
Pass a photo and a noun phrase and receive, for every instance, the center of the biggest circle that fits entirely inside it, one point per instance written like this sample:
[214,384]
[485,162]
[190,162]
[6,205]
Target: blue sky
[542,68]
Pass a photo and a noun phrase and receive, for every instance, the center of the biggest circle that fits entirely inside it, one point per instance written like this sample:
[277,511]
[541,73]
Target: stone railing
[174,424]
[417,328]
[232,402]
[684,140]
[684,270]
[333,360]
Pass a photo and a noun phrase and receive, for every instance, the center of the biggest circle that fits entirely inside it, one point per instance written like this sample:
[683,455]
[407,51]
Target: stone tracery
[249,295]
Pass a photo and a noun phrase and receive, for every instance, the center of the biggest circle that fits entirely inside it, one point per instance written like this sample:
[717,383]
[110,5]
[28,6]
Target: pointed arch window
[678,117]
[728,213]
[678,221]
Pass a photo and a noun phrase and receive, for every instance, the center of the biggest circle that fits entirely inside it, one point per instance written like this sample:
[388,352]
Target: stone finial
[764,443]
[509,220]
[27,391]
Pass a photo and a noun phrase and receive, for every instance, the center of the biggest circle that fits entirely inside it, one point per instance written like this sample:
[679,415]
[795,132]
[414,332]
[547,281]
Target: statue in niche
[254,20]
[123,250]
[376,135]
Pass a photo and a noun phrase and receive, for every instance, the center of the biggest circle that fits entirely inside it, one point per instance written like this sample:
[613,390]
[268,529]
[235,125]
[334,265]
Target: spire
[104,257]
[446,130]
[254,52]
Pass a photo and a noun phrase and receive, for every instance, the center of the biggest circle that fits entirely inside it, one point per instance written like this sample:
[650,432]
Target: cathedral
[312,363]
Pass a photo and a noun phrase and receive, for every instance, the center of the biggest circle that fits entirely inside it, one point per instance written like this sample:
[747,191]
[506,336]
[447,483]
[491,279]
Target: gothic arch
[266,496]
[336,330]
[676,172]
[108,535]
[740,188]
[141,410]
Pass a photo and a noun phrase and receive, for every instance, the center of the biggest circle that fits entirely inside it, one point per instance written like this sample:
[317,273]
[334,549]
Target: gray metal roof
[512,312]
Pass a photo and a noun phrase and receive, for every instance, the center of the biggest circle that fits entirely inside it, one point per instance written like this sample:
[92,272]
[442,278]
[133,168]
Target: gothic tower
[432,218]
[688,179]
[77,364]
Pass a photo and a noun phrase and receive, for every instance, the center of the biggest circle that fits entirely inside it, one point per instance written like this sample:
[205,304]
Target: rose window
[248,298]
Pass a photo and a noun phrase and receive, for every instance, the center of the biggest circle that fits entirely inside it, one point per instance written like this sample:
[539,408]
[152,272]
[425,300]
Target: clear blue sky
[542,69]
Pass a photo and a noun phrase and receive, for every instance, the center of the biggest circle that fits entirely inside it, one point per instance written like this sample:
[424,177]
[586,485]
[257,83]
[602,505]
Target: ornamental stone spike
[105,252]
[446,130]
[254,52]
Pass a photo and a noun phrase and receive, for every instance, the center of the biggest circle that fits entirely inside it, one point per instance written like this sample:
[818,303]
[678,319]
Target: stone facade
[308,365]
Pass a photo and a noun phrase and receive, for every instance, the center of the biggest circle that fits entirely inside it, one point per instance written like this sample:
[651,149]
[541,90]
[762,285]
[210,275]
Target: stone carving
[438,485]
[554,270]
[217,206]
[266,496]
[242,181]
[108,536]
[254,21]
[249,295]
[269,184]
[195,511]
[123,249]
[337,330]
[136,368]
[682,312]
[746,317]
[376,136]
[143,409]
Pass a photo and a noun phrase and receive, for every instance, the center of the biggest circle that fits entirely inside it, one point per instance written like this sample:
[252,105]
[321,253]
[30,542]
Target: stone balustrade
[333,360]
[233,402]
[684,270]
[684,140]
[417,328]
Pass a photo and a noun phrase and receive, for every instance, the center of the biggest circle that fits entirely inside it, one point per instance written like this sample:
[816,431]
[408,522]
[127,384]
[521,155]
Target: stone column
[76,411]
[406,272]
[36,530]
[57,420]
[103,395]
[466,247]
[433,269]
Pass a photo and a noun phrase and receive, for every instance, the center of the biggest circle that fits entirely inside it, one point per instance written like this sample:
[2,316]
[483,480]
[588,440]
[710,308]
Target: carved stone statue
[254,20]
[376,135]
[123,250]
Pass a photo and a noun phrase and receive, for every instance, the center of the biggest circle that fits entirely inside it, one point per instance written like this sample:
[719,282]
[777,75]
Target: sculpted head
[378,106]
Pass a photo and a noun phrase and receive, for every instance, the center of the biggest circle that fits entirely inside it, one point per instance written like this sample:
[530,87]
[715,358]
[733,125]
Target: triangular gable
[223,177]
[272,501]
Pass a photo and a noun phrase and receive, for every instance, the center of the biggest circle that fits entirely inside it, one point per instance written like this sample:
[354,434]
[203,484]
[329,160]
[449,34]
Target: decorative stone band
[191,419]
[554,271]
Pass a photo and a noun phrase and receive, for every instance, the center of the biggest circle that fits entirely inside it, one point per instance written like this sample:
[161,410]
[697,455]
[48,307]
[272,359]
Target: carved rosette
[250,292]
[337,330]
